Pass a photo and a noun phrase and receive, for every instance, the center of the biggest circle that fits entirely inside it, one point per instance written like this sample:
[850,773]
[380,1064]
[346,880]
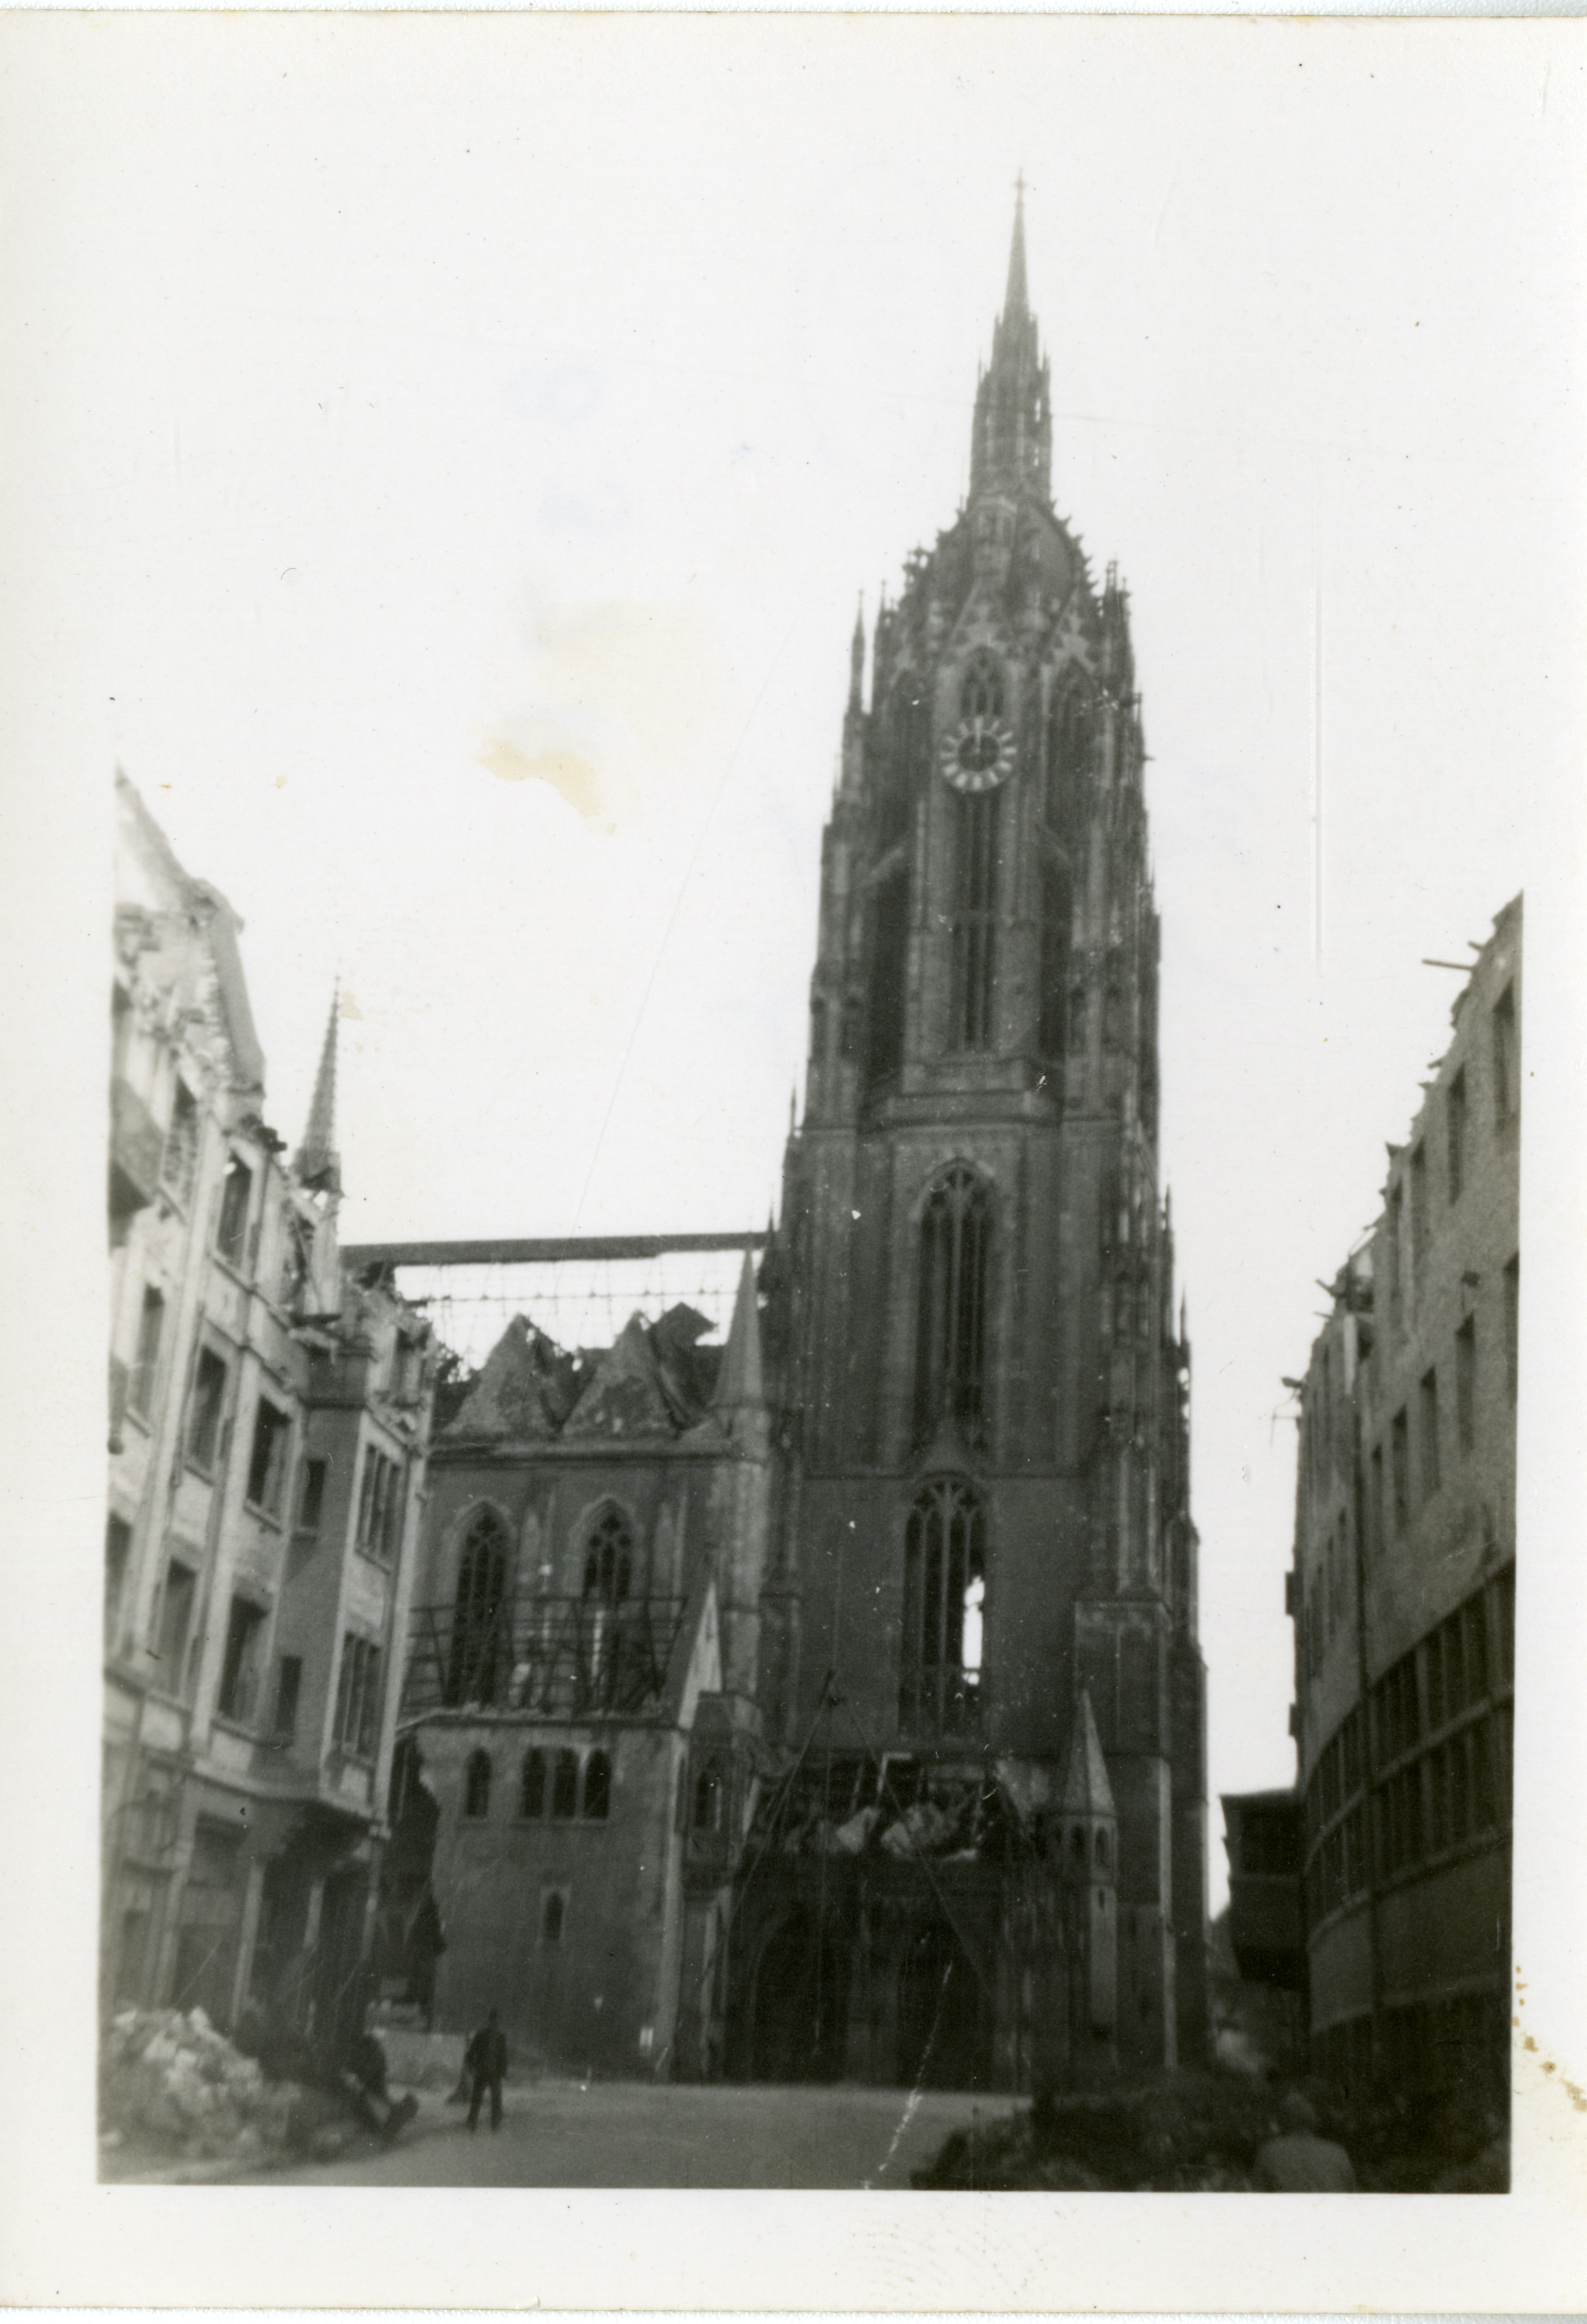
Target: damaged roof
[653,1384]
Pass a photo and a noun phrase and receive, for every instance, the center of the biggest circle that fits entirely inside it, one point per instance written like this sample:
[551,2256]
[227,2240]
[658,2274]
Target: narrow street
[658,2135]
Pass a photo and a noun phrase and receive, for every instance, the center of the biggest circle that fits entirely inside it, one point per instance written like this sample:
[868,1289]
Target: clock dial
[978,754]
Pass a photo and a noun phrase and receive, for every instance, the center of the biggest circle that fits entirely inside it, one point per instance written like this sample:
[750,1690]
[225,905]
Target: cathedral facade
[915,1763]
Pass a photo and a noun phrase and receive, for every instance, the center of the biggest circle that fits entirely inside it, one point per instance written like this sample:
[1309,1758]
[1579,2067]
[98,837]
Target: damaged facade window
[944,1592]
[477,1667]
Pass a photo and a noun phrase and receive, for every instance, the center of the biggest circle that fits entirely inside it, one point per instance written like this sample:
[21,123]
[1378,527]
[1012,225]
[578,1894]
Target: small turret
[1011,441]
[1088,1844]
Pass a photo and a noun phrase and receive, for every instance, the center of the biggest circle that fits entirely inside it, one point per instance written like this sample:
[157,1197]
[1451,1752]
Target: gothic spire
[317,1162]
[1011,447]
[1086,1789]
[740,1380]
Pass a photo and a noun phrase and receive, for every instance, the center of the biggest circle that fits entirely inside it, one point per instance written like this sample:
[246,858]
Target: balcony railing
[554,1659]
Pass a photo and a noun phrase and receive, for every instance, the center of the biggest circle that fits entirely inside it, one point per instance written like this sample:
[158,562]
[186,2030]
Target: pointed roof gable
[1010,444]
[626,1395]
[1086,1789]
[523,1389]
[317,1161]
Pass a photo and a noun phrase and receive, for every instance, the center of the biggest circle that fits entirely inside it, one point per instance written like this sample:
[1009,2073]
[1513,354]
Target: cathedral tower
[985,1389]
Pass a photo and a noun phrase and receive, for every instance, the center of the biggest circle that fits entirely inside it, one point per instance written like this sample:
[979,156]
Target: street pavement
[556,2134]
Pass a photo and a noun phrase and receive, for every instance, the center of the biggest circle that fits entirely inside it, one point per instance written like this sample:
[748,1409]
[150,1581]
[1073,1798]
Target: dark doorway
[939,2012]
[340,1980]
[206,1932]
[801,2002]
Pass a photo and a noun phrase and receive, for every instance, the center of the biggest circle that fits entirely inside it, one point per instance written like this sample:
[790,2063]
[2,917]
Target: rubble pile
[1187,2133]
[170,2081]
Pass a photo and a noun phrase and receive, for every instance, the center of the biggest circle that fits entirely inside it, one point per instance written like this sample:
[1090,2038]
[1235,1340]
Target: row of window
[1068,757]
[1410,1198]
[564,1786]
[1456,1792]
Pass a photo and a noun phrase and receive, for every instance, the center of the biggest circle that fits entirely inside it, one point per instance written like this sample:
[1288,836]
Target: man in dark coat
[486,2061]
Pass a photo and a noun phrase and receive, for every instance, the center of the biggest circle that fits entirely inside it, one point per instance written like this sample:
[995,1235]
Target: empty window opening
[943,1589]
[146,1363]
[564,1785]
[204,1417]
[237,1195]
[907,758]
[552,1917]
[118,1543]
[480,1657]
[532,1795]
[708,1791]
[476,1786]
[1419,1216]
[1069,748]
[1455,1118]
[955,1237]
[239,1670]
[1504,1054]
[380,1506]
[272,1431]
[289,1683]
[1428,1431]
[357,1727]
[1465,1383]
[176,1624]
[310,1497]
[1512,1325]
[1400,1448]
[597,1786]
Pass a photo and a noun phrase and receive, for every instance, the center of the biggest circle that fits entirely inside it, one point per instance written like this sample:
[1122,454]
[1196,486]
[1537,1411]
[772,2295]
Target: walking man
[485,2062]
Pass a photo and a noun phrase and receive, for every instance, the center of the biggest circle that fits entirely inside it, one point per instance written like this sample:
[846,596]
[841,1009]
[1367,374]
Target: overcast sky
[460,444]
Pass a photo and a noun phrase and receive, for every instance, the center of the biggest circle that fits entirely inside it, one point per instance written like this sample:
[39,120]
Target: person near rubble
[1298,2162]
[485,2062]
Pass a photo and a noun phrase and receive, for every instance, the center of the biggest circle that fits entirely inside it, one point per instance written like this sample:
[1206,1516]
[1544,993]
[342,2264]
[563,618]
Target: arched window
[944,1566]
[597,1786]
[978,851]
[1070,749]
[887,979]
[1101,1851]
[477,1785]
[608,1565]
[950,1362]
[532,1801]
[481,1654]
[552,1918]
[565,1785]
[981,692]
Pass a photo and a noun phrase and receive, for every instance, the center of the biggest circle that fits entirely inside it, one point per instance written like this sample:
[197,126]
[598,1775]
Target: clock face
[978,754]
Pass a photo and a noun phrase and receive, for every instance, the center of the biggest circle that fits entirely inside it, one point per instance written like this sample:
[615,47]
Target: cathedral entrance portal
[799,2007]
[938,2012]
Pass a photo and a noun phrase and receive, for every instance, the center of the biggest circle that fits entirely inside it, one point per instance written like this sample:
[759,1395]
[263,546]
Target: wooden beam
[360,1255]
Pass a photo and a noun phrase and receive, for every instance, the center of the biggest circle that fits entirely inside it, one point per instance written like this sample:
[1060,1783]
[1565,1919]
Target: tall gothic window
[945,1580]
[1069,747]
[981,694]
[608,1565]
[1052,1006]
[480,1657]
[979,824]
[950,1363]
[907,756]
[889,954]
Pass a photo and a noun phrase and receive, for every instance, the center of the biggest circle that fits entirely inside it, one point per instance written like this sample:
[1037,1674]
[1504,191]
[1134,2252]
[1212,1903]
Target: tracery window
[950,1362]
[478,1664]
[888,981]
[608,1566]
[944,1582]
[1054,994]
[908,757]
[978,816]
[1070,746]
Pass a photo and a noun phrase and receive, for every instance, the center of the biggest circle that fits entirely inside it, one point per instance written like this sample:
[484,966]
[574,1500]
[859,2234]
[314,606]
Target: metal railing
[551,1657]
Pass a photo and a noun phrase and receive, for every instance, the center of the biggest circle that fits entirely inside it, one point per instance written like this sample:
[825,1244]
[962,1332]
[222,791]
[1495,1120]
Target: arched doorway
[801,2006]
[938,2012]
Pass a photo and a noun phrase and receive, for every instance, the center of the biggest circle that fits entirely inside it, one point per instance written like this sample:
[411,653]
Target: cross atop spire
[317,1162]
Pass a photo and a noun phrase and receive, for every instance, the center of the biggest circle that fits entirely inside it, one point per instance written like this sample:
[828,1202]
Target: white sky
[411,404]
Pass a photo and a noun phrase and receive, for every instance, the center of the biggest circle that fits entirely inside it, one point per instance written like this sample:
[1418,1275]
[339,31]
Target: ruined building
[268,1427]
[1403,1588]
[831,1703]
